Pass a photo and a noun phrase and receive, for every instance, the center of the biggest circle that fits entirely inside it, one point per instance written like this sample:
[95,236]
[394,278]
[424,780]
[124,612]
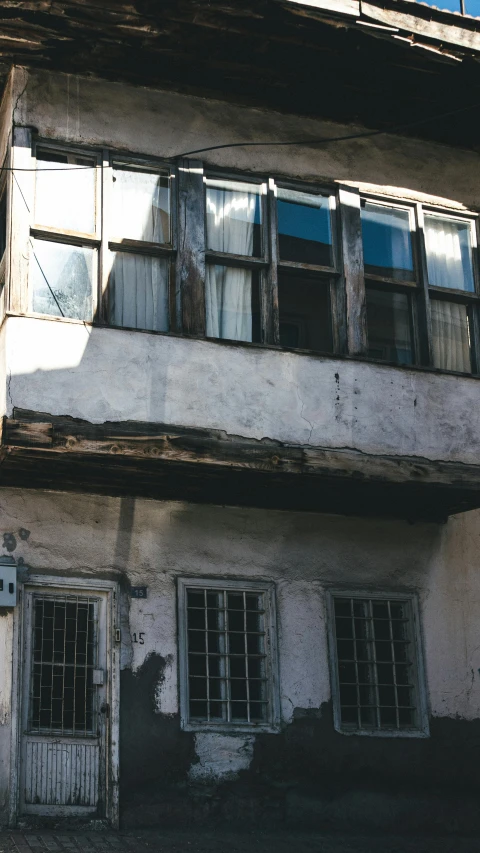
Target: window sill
[232,728]
[256,346]
[385,733]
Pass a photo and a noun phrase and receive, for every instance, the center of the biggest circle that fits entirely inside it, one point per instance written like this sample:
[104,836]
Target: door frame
[112,774]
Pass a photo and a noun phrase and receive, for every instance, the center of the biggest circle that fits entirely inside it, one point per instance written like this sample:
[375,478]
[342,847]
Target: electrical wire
[275,143]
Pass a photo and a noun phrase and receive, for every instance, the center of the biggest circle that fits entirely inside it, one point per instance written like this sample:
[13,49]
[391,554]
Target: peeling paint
[221,757]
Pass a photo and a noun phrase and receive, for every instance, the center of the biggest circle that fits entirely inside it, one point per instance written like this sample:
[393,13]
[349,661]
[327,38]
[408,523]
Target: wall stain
[9,542]
[155,754]
[306,775]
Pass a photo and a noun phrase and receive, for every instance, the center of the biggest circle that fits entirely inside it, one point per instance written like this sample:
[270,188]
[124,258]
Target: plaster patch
[221,757]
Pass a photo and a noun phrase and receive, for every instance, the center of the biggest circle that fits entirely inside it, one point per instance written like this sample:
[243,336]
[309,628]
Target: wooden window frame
[116,243]
[269,264]
[423,292]
[421,730]
[92,240]
[271,647]
[412,287]
[188,253]
[256,263]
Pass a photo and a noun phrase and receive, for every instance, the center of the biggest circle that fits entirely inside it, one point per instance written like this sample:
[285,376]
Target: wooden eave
[317,58]
[166,462]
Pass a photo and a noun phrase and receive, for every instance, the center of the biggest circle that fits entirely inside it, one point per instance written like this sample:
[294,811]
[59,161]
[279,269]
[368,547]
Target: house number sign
[139,591]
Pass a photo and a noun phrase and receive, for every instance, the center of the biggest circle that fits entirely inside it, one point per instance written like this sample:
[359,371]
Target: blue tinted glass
[472,7]
[304,228]
[448,5]
[387,246]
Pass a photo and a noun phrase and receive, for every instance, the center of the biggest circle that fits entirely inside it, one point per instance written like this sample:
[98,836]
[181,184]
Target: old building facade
[240,451]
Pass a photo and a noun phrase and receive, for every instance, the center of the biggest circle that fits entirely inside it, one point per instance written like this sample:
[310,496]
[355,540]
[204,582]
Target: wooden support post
[191,248]
[353,275]
[22,216]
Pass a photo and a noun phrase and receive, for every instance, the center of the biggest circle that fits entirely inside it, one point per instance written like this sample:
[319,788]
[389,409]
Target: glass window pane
[232,303]
[472,7]
[304,228]
[449,253]
[387,243]
[61,279]
[138,292]
[65,192]
[141,206]
[451,336]
[389,326]
[304,307]
[234,217]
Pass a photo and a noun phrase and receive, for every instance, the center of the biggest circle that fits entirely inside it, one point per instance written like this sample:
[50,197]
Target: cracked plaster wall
[67,368]
[150,543]
[107,375]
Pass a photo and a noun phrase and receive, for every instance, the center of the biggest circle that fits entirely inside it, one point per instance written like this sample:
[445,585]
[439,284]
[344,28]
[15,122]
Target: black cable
[324,141]
[327,139]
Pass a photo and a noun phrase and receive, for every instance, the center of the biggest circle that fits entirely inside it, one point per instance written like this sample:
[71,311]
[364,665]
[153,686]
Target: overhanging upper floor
[166,417]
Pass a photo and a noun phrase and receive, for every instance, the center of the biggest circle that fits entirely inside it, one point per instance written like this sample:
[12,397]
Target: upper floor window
[140,244]
[252,259]
[421,289]
[254,236]
[465,7]
[66,235]
[102,240]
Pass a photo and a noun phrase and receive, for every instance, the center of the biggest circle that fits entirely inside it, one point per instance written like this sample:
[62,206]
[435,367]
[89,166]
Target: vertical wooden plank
[338,302]
[190,275]
[353,275]
[269,296]
[22,209]
[474,318]
[423,305]
[105,256]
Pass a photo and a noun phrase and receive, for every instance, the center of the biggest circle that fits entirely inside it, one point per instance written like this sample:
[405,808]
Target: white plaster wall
[302,553]
[97,112]
[3,370]
[68,368]
[108,374]
[6,631]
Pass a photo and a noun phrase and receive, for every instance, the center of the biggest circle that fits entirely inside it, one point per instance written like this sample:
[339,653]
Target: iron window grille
[227,655]
[377,670]
[64,642]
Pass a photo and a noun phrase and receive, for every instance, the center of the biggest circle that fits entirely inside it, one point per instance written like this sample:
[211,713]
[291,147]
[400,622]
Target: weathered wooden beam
[446,33]
[144,443]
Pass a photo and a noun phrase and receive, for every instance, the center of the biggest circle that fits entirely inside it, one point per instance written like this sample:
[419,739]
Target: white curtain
[449,259]
[228,290]
[138,295]
[141,206]
[451,339]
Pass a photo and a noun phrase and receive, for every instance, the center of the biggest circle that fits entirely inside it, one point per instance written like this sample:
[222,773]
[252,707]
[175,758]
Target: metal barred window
[227,661]
[377,665]
[64,642]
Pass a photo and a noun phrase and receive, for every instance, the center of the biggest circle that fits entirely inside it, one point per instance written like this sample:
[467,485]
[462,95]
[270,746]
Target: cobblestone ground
[226,842]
